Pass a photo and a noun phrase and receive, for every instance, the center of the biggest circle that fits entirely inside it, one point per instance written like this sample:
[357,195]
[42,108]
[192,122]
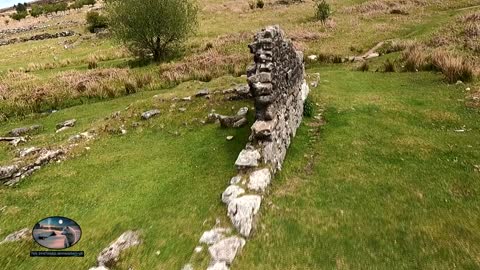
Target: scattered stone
[28,151]
[98,268]
[232,121]
[14,141]
[18,132]
[212,117]
[259,180]
[459,82]
[242,210]
[48,156]
[226,250]
[62,129]
[235,180]
[372,55]
[198,249]
[189,98]
[182,109]
[213,236]
[229,138]
[187,267]
[78,137]
[149,114]
[247,158]
[312,57]
[68,123]
[202,93]
[232,192]
[8,171]
[218,266]
[243,112]
[467,89]
[109,256]
[17,236]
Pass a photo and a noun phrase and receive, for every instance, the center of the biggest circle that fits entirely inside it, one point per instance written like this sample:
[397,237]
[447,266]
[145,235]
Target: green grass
[162,184]
[392,184]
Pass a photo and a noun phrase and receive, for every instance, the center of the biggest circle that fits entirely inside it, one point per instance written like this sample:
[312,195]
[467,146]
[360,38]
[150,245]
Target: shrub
[7,21]
[308,108]
[19,15]
[92,64]
[155,27]
[95,21]
[130,88]
[251,4]
[415,59]
[322,11]
[260,4]
[453,68]
[388,66]
[36,11]
[364,67]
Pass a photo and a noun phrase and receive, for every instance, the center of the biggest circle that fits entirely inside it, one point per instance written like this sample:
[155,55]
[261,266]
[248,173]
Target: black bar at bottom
[57,254]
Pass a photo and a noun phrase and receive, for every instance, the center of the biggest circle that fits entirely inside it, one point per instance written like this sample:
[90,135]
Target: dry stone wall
[276,82]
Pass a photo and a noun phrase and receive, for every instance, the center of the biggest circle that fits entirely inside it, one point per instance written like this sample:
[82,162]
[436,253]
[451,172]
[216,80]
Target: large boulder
[110,255]
[232,192]
[8,171]
[259,180]
[242,211]
[247,158]
[225,250]
[17,236]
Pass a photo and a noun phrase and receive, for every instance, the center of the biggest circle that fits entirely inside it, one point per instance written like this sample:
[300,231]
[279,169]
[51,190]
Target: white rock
[259,180]
[305,90]
[312,57]
[109,256]
[213,236]
[247,158]
[372,55]
[231,193]
[99,268]
[198,249]
[229,138]
[62,129]
[17,236]
[243,111]
[218,266]
[226,250]
[242,210]
[235,180]
[187,267]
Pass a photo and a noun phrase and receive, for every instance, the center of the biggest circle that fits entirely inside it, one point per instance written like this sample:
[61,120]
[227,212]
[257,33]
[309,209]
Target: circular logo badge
[56,232]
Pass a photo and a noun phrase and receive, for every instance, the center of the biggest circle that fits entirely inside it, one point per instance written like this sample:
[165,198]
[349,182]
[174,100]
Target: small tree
[36,10]
[322,11]
[155,26]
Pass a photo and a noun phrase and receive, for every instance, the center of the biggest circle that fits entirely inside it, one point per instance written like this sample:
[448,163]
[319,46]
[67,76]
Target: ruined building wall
[276,81]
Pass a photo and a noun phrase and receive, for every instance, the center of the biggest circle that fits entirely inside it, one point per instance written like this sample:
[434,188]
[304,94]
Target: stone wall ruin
[276,82]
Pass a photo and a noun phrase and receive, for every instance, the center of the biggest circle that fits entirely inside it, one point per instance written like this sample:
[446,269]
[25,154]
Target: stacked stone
[276,81]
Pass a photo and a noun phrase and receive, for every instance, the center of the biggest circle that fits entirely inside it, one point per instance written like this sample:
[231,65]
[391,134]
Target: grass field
[392,185]
[386,180]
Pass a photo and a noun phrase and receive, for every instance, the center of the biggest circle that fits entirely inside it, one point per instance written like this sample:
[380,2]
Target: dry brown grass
[453,67]
[25,93]
[205,66]
[386,6]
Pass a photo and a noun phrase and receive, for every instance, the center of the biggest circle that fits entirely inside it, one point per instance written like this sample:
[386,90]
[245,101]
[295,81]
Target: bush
[415,59]
[453,68]
[388,66]
[308,108]
[95,21]
[260,4]
[251,4]
[322,11]
[19,15]
[36,11]
[364,67]
[130,88]
[155,27]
